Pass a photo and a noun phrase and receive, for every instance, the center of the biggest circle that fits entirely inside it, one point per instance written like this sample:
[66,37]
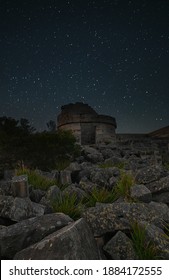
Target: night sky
[111,54]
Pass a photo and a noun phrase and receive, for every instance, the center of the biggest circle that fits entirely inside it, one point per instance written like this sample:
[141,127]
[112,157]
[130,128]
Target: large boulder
[73,242]
[161,197]
[18,209]
[158,238]
[93,155]
[106,218]
[159,186]
[16,237]
[141,193]
[149,174]
[120,247]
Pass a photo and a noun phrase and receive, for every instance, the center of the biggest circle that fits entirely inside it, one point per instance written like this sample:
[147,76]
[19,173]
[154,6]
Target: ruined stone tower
[87,126]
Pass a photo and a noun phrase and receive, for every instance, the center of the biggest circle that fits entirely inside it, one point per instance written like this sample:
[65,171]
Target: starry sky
[111,54]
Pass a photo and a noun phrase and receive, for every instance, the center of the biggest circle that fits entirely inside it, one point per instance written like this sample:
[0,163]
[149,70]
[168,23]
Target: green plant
[62,163]
[144,249]
[68,205]
[100,195]
[35,179]
[124,185]
[166,230]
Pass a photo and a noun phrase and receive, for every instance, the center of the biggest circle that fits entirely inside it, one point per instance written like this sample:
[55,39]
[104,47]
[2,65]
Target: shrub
[35,179]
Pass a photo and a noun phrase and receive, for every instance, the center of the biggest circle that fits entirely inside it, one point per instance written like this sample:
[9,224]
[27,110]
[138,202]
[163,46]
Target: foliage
[49,150]
[36,180]
[124,185]
[68,205]
[166,230]
[62,163]
[145,250]
[100,195]
[44,150]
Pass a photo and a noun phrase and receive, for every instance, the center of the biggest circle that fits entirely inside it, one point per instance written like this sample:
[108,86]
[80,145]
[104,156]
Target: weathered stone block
[73,242]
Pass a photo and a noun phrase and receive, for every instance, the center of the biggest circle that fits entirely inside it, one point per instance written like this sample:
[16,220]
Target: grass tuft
[124,185]
[36,180]
[100,195]
[61,164]
[68,205]
[145,250]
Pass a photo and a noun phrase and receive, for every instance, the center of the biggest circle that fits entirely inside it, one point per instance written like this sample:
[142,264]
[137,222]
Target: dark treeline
[20,142]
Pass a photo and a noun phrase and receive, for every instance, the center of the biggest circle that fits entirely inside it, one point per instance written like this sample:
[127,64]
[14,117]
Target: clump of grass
[61,164]
[100,195]
[166,230]
[120,165]
[35,179]
[68,205]
[124,185]
[145,250]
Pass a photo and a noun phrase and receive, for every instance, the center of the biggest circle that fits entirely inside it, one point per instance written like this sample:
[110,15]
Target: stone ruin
[86,124]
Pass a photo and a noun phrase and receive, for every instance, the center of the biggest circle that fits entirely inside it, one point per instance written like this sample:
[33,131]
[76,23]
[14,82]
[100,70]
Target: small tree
[51,125]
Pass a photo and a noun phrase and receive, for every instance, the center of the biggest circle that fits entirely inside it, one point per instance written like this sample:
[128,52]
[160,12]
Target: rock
[157,237]
[161,197]
[65,177]
[106,218]
[159,186]
[147,175]
[112,182]
[36,195]
[18,209]
[92,155]
[73,190]
[141,193]
[73,242]
[74,166]
[47,205]
[120,247]
[161,209]
[2,227]
[100,177]
[9,173]
[16,237]
[86,185]
[53,193]
[115,161]
[5,187]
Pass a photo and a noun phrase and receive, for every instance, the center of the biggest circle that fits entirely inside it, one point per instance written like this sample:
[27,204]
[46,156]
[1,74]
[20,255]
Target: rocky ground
[30,229]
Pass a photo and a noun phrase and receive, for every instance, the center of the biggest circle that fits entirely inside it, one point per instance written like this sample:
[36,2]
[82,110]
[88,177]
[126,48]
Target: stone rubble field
[30,229]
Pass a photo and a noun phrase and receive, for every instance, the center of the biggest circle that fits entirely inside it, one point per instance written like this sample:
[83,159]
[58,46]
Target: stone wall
[87,126]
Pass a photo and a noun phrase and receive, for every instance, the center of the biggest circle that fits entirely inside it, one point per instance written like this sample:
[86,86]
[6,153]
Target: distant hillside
[161,133]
